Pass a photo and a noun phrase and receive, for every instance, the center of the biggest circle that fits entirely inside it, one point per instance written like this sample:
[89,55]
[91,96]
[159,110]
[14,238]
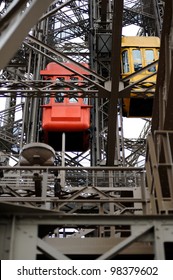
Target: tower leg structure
[109,209]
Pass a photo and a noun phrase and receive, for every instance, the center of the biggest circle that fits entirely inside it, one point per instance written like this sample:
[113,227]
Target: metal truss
[159,165]
[101,38]
[159,159]
[148,15]
[111,204]
[63,23]
[88,190]
[137,147]
[143,237]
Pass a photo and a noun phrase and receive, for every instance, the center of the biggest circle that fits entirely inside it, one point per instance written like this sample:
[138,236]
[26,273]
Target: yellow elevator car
[139,56]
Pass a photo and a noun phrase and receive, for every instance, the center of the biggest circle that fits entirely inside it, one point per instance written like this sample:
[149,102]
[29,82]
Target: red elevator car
[63,112]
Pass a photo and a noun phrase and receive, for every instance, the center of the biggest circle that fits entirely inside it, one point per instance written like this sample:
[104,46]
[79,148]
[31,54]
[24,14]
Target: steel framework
[108,203]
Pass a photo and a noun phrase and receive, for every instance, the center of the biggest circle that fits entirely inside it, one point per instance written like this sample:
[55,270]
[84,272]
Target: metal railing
[159,170]
[105,190]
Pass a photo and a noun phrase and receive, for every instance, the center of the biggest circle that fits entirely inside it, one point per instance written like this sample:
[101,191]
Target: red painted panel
[56,69]
[66,118]
[66,113]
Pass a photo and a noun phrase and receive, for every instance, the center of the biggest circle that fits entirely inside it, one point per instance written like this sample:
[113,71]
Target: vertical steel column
[6,234]
[35,101]
[159,12]
[63,160]
[12,238]
[159,242]
[115,76]
[26,112]
[25,245]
